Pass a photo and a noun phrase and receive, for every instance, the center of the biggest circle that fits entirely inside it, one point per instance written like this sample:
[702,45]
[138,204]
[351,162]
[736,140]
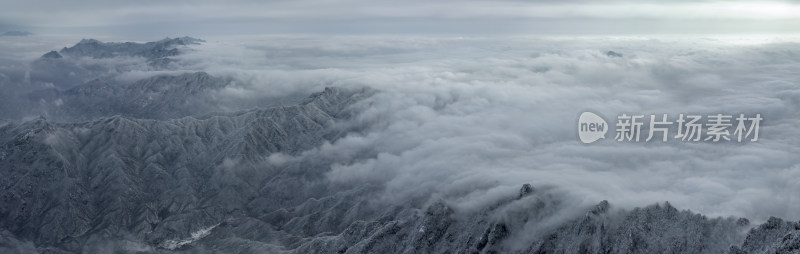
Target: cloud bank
[470,119]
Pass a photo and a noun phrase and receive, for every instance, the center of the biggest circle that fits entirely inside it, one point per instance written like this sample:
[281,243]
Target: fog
[469,119]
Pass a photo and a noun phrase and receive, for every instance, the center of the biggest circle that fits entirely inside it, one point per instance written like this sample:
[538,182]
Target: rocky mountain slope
[159,97]
[121,176]
[192,185]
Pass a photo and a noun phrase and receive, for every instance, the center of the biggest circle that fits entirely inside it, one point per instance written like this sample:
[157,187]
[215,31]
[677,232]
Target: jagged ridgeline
[152,166]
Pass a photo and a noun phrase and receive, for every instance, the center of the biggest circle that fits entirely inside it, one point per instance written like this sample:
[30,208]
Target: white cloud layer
[468,119]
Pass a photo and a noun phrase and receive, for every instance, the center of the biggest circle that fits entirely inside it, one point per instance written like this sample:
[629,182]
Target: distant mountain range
[155,52]
[16,33]
[67,67]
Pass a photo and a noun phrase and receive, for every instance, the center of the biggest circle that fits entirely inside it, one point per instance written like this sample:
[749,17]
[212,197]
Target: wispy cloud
[466,119]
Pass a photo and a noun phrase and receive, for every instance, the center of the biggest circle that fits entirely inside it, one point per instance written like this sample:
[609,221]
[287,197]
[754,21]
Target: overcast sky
[208,18]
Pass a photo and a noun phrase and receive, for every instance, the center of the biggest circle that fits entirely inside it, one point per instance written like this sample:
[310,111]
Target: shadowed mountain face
[152,166]
[160,97]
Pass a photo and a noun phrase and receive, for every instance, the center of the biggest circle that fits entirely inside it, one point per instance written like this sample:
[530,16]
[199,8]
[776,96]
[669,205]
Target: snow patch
[197,235]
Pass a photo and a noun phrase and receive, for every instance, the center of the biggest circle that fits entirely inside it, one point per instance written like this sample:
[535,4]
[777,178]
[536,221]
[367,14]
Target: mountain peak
[186,40]
[52,54]
[89,41]
[613,54]
[525,190]
[601,207]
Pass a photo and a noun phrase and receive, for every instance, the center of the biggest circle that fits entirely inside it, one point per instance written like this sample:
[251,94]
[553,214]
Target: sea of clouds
[471,119]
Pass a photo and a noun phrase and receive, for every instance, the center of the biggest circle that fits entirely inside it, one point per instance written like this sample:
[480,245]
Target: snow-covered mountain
[203,184]
[153,180]
[152,167]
